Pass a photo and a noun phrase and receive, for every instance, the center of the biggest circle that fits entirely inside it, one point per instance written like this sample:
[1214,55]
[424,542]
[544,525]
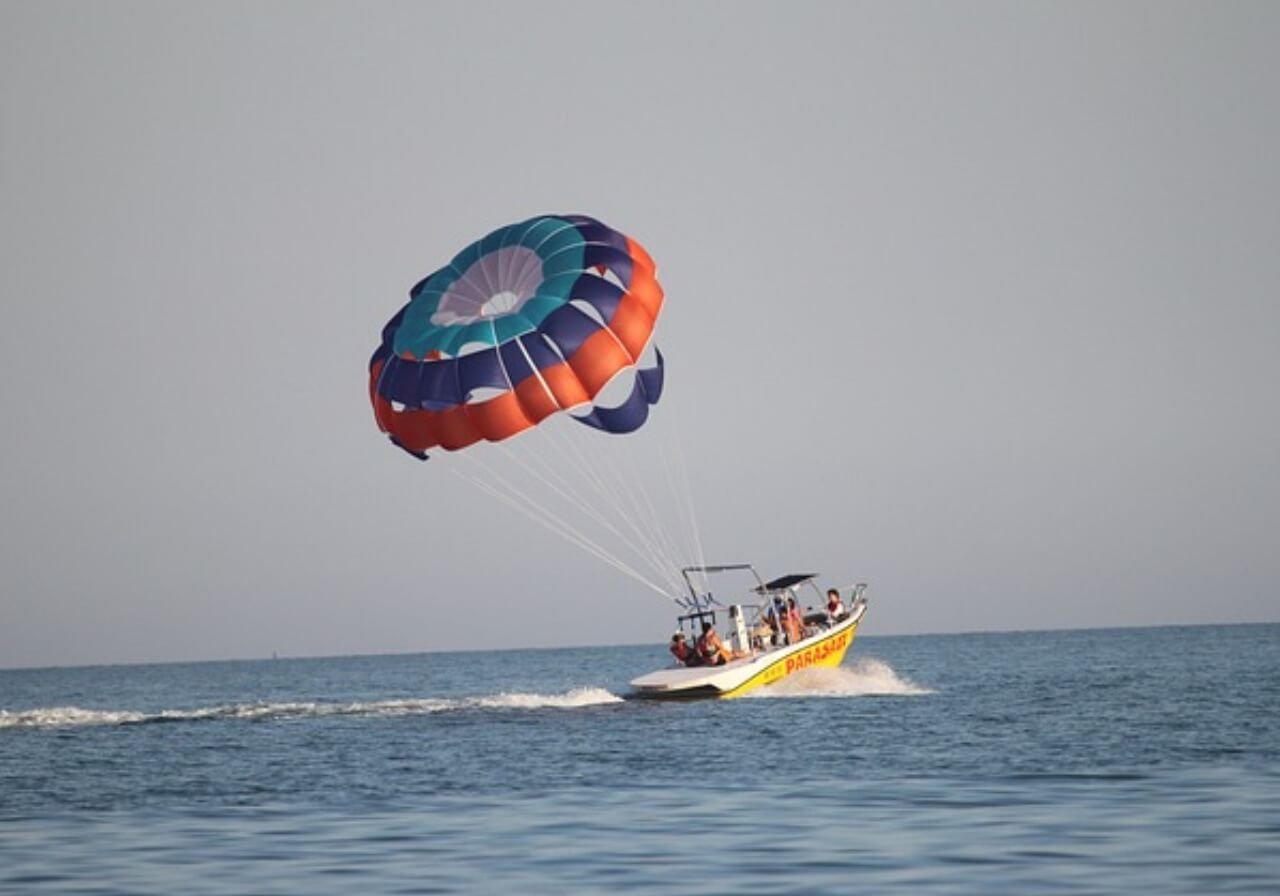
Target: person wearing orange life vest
[712,650]
[684,654]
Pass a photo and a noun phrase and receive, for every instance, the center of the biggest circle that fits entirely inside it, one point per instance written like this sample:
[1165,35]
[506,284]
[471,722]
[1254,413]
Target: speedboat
[763,651]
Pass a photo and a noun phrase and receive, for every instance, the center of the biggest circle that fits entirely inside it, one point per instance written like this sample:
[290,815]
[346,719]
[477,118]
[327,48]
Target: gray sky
[974,302]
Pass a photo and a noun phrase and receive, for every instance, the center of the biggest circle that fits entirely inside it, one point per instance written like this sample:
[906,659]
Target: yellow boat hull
[826,652]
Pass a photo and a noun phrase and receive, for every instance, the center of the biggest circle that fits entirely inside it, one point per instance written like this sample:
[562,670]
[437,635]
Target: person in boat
[835,606]
[712,650]
[765,631]
[776,617]
[683,653]
[795,626]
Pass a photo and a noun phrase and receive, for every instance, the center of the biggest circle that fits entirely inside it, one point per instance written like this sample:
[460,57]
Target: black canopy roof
[788,581]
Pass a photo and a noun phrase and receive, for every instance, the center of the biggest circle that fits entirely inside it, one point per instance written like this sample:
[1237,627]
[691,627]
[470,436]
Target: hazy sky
[976,303]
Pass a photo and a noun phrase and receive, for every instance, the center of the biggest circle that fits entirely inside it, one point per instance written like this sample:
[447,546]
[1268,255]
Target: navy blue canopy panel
[634,411]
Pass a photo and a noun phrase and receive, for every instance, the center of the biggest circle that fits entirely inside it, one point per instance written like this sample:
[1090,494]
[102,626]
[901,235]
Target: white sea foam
[574,698]
[64,716]
[72,716]
[864,677]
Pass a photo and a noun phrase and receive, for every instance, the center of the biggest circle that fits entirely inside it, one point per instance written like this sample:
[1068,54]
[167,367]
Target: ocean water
[1099,761]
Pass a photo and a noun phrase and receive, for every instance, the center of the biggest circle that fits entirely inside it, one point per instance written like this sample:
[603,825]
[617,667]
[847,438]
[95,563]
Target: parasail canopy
[535,318]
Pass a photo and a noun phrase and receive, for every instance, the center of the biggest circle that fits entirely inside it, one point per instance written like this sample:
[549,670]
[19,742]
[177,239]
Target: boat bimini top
[785,583]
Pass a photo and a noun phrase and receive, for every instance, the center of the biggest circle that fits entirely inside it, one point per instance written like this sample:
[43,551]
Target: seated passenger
[764,632]
[835,607]
[683,653]
[712,650]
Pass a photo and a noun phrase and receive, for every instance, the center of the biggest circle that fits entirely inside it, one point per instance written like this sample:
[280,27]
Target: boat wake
[864,677]
[72,716]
